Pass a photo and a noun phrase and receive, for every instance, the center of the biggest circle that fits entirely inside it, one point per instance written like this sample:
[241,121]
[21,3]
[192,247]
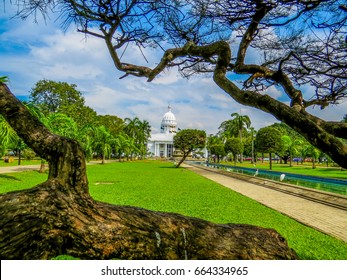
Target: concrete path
[327,219]
[19,168]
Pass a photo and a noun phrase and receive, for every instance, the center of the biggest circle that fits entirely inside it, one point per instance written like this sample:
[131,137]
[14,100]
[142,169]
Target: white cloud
[48,53]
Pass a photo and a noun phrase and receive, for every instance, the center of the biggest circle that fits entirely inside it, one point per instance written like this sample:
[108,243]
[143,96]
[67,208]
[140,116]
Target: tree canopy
[234,145]
[269,140]
[187,140]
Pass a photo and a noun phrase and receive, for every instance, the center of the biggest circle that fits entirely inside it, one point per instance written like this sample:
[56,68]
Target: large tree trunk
[60,217]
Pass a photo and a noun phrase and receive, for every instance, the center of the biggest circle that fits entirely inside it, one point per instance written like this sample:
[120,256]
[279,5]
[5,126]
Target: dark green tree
[61,97]
[234,146]
[188,140]
[53,97]
[268,140]
[217,151]
[114,124]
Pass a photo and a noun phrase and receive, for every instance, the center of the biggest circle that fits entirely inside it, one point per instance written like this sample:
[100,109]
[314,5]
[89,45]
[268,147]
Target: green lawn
[159,186]
[15,162]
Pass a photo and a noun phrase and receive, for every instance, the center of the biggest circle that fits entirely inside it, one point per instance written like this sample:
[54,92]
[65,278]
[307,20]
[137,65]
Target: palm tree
[86,138]
[131,126]
[7,135]
[241,123]
[253,133]
[235,127]
[139,131]
[312,151]
[227,129]
[62,124]
[103,141]
[145,133]
[292,146]
[125,146]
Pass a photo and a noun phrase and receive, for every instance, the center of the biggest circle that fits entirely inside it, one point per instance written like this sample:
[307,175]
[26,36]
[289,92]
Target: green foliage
[235,127]
[28,154]
[217,150]
[62,124]
[4,79]
[102,142]
[234,146]
[139,131]
[54,97]
[188,140]
[268,140]
[114,124]
[8,137]
[61,97]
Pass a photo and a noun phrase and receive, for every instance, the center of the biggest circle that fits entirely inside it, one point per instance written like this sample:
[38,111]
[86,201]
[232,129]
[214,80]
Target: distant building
[161,144]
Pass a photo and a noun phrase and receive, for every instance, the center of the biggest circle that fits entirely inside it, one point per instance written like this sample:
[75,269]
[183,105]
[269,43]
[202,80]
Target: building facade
[161,144]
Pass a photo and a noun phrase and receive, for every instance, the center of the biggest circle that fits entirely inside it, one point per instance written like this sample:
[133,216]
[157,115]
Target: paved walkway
[327,219]
[19,168]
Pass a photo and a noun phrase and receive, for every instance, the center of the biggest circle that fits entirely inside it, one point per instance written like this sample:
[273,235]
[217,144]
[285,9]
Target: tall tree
[253,134]
[200,35]
[53,97]
[139,131]
[239,123]
[103,142]
[60,97]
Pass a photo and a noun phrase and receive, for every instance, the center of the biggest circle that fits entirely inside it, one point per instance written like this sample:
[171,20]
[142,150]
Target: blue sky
[32,51]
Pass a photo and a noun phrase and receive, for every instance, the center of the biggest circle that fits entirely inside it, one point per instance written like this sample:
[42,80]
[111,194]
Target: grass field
[15,162]
[158,186]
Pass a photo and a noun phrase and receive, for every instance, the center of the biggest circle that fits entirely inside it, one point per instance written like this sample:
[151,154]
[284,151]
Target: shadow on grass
[9,177]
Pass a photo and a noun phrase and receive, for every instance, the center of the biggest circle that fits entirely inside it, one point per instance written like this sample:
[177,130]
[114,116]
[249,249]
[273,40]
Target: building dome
[169,123]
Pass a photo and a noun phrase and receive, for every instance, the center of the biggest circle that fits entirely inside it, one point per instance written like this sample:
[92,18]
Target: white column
[165,150]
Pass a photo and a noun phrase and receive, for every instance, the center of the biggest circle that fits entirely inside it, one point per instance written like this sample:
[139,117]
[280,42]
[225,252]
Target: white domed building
[161,144]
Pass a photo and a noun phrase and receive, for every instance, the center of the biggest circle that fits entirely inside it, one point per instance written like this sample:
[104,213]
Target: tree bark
[270,158]
[60,217]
